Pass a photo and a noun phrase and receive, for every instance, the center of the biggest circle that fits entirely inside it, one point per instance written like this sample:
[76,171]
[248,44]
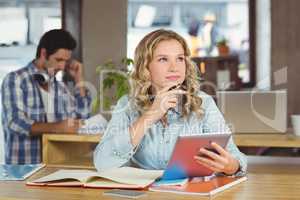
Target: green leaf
[106,103]
[95,105]
[127,61]
[108,82]
[120,81]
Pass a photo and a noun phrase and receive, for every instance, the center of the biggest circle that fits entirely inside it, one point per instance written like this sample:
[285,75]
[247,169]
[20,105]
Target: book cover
[178,182]
[18,172]
[124,177]
[203,188]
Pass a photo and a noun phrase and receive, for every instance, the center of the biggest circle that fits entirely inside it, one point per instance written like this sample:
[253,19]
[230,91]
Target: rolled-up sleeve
[115,148]
[214,123]
[14,116]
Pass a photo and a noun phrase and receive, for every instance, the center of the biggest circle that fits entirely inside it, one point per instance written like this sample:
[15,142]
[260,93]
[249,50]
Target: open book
[198,186]
[124,177]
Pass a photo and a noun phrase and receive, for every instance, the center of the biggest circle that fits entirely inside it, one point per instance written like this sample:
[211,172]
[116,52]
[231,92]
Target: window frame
[72,9]
[252,45]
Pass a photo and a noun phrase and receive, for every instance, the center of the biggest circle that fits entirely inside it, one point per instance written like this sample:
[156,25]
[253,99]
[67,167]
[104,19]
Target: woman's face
[167,67]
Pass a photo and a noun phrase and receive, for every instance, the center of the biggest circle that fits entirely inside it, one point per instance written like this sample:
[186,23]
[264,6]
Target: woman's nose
[172,67]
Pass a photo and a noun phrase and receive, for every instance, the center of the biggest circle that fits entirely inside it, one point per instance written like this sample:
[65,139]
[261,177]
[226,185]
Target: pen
[178,86]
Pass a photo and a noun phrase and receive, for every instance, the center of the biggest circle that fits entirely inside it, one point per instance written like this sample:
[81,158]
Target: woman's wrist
[234,168]
[149,118]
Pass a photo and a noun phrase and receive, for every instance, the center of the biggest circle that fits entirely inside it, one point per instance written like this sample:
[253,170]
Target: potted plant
[223,48]
[114,83]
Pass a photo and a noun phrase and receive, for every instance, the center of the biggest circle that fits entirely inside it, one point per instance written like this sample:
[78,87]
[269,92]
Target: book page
[124,175]
[105,183]
[80,175]
[131,175]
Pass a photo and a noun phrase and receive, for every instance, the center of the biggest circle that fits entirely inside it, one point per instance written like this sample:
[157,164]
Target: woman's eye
[180,59]
[162,59]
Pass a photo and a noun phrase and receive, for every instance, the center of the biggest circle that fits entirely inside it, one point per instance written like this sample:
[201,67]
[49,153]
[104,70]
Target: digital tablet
[182,163]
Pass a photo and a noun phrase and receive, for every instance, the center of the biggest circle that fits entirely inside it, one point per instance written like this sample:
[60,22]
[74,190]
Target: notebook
[199,187]
[178,182]
[18,172]
[123,177]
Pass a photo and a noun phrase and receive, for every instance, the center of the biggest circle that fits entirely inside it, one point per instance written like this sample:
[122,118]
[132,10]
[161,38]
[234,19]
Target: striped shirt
[22,105]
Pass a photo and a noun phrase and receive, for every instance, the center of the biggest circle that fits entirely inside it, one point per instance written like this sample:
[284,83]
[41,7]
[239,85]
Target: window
[224,20]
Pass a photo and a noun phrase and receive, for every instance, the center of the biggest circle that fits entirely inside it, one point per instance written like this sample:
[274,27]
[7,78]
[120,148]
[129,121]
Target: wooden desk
[265,181]
[266,140]
[76,150]
[69,150]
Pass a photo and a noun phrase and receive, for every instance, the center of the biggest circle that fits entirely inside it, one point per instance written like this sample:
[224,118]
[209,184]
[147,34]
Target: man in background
[34,101]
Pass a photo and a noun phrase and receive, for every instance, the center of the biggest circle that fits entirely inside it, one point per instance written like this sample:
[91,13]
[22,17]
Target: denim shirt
[155,149]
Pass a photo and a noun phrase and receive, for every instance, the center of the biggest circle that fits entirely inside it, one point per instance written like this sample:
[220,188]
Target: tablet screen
[182,163]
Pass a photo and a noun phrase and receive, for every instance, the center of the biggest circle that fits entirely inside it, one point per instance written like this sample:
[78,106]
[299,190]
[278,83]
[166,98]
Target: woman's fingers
[172,100]
[176,92]
[210,163]
[220,149]
[169,103]
[166,88]
[208,166]
[213,155]
[164,100]
[223,162]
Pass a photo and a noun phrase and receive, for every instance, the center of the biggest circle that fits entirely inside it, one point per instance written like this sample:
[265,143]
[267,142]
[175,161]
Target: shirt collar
[34,69]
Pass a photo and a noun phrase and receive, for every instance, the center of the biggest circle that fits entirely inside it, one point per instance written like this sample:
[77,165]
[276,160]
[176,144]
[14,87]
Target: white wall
[104,30]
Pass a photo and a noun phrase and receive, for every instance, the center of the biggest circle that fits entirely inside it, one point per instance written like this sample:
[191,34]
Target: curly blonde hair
[141,80]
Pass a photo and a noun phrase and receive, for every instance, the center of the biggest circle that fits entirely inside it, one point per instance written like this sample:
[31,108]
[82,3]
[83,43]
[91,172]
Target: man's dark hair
[55,39]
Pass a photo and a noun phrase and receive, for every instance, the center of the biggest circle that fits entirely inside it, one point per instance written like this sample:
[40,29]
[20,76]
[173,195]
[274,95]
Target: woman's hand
[163,101]
[224,162]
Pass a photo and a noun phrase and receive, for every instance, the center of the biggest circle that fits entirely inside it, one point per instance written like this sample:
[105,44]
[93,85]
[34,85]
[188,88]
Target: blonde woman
[165,102]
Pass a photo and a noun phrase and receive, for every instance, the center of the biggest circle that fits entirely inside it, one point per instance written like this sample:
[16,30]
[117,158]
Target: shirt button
[117,153]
